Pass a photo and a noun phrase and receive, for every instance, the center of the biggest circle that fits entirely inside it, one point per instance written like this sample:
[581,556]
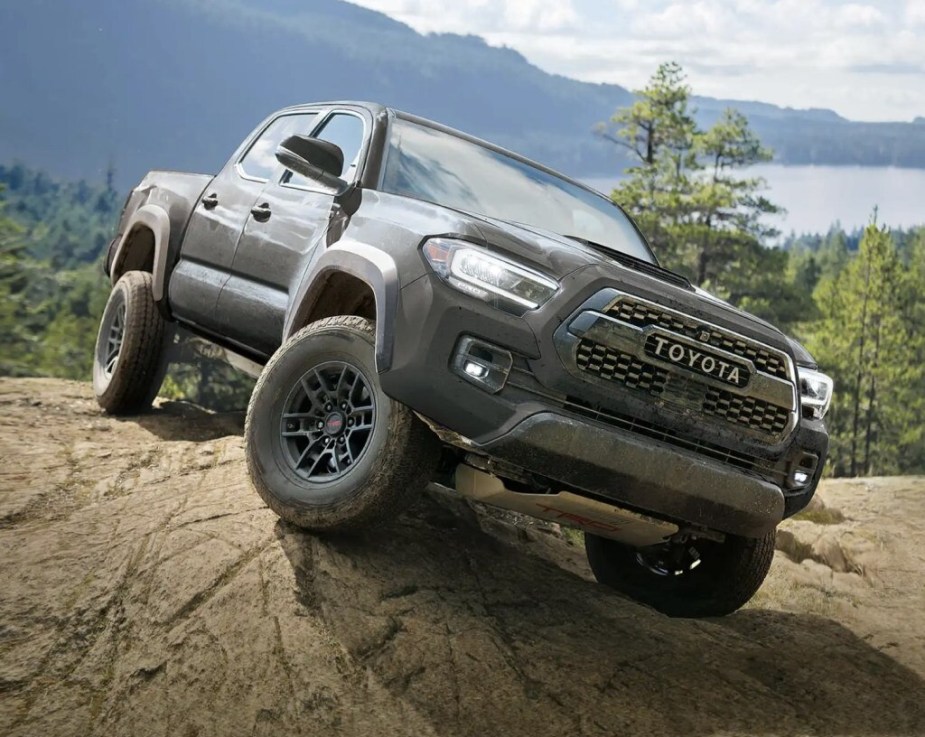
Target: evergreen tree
[868,339]
[703,218]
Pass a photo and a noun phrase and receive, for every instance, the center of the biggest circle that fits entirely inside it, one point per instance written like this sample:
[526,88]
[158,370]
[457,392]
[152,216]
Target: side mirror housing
[315,159]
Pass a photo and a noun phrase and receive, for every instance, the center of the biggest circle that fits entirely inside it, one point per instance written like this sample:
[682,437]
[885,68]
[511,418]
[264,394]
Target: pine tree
[866,341]
[703,218]
[659,131]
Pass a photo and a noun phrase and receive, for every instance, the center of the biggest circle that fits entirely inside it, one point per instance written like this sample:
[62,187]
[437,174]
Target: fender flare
[370,265]
[156,220]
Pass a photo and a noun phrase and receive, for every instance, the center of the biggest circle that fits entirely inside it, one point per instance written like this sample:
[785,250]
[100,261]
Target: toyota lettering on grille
[696,360]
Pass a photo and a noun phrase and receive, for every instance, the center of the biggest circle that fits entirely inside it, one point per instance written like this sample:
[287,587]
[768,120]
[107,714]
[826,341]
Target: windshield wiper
[634,262]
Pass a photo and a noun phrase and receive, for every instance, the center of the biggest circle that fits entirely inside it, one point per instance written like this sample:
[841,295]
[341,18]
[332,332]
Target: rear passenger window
[346,131]
[260,160]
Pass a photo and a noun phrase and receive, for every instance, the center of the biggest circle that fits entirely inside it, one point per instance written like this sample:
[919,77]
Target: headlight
[479,272]
[815,392]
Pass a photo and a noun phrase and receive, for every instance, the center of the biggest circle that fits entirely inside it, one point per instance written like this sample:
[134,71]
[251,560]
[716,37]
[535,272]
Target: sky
[865,60]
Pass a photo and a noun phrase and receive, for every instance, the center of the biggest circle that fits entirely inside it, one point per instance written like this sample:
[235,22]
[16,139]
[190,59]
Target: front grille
[609,364]
[642,314]
[754,413]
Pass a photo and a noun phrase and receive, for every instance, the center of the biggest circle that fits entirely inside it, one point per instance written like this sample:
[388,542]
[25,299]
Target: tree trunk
[860,376]
[871,399]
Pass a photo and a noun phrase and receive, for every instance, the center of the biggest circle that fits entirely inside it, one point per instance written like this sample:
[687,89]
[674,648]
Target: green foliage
[199,373]
[870,338]
[48,316]
[701,216]
[49,313]
[67,224]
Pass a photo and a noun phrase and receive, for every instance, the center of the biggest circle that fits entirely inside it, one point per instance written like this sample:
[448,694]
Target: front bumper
[642,473]
[588,436]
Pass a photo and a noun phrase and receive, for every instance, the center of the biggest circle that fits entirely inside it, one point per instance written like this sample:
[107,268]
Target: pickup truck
[425,308]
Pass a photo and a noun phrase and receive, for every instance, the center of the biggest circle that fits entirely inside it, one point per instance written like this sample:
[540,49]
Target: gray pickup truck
[424,307]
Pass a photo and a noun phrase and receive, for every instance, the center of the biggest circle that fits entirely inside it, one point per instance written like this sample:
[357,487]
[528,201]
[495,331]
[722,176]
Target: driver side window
[346,131]
[260,160]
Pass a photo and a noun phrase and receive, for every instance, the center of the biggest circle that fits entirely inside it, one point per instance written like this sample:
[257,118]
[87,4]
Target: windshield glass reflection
[431,165]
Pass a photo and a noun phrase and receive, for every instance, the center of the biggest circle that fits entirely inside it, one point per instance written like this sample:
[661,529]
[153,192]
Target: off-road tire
[129,384]
[398,460]
[728,576]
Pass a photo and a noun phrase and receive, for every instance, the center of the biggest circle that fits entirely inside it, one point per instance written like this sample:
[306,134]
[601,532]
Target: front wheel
[326,449]
[694,578]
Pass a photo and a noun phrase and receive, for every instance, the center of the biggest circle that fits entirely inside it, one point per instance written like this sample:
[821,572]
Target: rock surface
[147,591]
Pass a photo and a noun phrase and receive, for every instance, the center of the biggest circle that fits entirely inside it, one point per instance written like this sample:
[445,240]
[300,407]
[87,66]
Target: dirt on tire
[138,373]
[146,590]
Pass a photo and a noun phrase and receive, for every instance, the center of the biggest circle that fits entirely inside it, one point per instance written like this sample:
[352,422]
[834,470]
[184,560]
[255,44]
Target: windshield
[431,165]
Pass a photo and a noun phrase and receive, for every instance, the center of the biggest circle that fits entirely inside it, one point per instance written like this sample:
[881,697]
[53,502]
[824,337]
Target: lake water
[817,196]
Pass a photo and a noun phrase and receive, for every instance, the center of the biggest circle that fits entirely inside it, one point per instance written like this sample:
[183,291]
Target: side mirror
[315,159]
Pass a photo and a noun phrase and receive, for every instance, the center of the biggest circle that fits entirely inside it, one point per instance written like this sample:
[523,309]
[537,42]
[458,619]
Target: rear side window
[260,160]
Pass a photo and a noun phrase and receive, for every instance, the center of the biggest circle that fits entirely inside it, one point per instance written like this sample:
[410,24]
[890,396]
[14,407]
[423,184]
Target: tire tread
[742,563]
[135,380]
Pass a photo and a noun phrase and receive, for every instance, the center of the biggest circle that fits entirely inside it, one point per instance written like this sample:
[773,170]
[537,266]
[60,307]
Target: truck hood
[560,256]
[552,253]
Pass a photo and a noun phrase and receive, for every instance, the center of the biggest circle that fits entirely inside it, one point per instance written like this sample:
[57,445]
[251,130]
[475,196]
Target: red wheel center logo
[334,424]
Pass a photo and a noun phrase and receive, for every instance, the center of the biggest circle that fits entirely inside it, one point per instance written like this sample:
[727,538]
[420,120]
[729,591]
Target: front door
[287,223]
[211,238]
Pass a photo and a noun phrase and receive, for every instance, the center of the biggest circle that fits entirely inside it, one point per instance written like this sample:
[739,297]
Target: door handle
[210,201]
[261,213]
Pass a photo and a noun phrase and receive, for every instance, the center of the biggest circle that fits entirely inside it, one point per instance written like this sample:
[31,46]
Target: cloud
[915,12]
[473,16]
[864,59]
[855,15]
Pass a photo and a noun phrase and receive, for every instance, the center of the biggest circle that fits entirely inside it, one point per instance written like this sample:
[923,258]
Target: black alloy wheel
[328,421]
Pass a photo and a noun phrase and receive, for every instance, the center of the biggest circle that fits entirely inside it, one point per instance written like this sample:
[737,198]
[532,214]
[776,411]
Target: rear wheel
[128,362]
[695,578]
[326,449]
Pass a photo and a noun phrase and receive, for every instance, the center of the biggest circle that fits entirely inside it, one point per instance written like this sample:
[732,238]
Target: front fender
[156,220]
[370,265]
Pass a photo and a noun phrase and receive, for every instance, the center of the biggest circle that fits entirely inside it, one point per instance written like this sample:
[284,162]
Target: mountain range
[141,84]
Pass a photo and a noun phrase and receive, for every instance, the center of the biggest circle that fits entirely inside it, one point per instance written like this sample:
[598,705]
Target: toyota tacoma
[426,308]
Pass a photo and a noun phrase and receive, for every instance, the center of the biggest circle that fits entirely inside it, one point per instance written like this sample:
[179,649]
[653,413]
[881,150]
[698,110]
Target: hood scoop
[637,264]
[653,270]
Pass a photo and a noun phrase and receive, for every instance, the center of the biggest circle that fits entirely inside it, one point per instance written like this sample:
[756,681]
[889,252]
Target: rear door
[211,238]
[282,235]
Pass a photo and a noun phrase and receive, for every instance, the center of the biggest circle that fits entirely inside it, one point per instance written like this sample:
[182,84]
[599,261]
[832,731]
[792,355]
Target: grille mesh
[754,413]
[610,364]
[641,314]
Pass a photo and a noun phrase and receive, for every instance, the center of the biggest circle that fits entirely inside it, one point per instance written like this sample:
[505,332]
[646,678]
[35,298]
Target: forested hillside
[52,290]
[178,83]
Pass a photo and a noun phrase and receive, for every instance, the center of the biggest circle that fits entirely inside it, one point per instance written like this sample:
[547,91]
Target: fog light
[480,363]
[474,369]
[802,470]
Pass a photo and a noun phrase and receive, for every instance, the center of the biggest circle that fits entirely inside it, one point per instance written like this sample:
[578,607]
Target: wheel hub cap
[327,421]
[335,424]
